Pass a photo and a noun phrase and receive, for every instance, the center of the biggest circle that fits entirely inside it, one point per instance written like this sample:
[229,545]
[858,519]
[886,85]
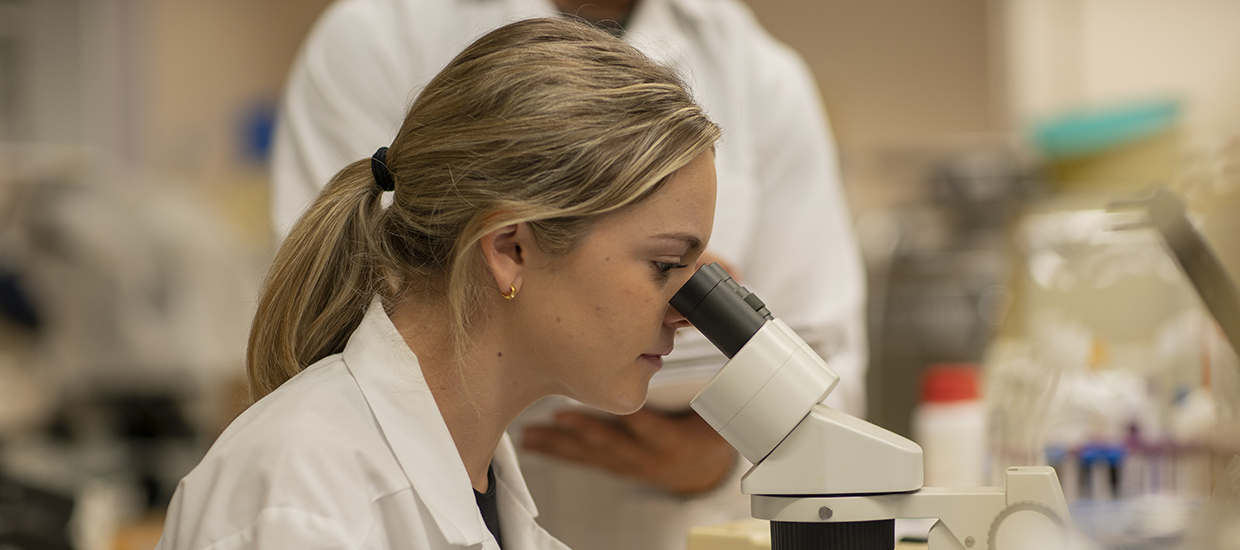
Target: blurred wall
[211,69]
[207,66]
[893,71]
[899,80]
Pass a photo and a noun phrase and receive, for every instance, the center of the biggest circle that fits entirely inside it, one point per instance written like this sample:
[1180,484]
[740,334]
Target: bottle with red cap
[950,425]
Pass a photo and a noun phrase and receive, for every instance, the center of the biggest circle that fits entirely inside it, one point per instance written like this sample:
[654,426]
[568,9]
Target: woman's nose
[674,319]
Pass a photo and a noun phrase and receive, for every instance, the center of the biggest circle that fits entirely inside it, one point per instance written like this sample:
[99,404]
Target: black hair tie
[378,167]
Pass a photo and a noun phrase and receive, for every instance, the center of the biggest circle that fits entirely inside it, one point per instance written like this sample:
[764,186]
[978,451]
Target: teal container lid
[1087,132]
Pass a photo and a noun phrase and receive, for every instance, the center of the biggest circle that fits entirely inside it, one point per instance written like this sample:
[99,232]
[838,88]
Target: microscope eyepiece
[725,312]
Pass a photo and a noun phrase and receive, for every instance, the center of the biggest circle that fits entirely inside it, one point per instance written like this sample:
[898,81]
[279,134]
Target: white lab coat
[351,453]
[781,215]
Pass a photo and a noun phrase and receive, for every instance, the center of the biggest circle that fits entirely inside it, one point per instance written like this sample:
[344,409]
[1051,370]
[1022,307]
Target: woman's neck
[474,395]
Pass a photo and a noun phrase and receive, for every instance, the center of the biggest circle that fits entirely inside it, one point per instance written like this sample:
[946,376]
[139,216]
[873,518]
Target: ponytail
[320,282]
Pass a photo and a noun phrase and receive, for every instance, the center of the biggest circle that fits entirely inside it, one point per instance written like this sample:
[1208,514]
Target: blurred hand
[680,454]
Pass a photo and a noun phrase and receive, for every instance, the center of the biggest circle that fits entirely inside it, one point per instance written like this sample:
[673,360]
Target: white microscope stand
[814,464]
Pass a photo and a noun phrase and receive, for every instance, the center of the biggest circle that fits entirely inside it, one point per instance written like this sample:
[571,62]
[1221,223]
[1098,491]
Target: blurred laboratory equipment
[939,267]
[139,304]
[1115,365]
[950,426]
[1123,146]
[1217,527]
[32,518]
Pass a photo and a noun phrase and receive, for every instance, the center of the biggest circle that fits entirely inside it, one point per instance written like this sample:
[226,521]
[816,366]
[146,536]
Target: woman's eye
[665,267]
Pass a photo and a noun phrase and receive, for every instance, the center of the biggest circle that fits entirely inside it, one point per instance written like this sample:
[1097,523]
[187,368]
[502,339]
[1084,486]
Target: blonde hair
[544,121]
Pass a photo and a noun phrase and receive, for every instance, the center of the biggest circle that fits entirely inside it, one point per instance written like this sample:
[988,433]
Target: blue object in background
[258,124]
[1112,455]
[1087,132]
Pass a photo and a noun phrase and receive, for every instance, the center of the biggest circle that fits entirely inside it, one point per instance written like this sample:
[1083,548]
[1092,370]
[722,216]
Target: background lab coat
[781,214]
[351,453]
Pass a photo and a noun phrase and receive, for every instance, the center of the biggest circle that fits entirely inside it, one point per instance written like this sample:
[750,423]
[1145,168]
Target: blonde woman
[551,189]
[782,227]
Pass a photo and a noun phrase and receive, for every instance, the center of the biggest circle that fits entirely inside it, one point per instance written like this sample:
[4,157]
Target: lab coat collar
[652,15]
[698,10]
[390,378]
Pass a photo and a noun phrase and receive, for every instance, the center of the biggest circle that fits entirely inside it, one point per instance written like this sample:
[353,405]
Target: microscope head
[773,378]
[766,402]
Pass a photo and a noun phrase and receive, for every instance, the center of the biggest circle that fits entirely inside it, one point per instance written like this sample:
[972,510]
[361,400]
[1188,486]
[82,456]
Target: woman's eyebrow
[688,238]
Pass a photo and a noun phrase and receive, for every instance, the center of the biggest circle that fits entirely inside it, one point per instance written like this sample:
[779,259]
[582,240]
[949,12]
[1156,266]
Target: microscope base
[1030,507]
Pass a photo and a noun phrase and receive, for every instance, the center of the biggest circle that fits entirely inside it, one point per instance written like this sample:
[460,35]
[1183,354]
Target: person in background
[547,194]
[638,481]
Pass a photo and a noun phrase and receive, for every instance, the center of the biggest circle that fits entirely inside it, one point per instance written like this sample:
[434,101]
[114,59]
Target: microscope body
[826,479]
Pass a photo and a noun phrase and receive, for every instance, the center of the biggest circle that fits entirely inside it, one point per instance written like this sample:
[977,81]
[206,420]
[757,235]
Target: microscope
[828,480]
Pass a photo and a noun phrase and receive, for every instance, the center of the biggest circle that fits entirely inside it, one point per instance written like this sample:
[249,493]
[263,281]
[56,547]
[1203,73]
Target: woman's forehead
[681,210]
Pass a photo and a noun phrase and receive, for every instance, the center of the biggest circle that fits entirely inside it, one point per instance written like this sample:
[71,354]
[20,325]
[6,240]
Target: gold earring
[512,293]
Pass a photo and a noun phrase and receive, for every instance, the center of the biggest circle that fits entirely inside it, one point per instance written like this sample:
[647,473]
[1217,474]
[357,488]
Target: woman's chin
[621,405]
[632,408]
[626,396]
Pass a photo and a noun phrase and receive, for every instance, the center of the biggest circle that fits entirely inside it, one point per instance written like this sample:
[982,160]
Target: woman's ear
[507,252]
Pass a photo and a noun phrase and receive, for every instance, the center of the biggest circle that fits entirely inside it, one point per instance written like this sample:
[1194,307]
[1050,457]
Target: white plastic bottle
[950,425]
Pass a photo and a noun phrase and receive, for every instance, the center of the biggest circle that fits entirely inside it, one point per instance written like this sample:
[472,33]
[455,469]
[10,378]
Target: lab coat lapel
[391,379]
[508,476]
[516,506]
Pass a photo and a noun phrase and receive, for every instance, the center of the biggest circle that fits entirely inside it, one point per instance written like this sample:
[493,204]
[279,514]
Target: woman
[551,190]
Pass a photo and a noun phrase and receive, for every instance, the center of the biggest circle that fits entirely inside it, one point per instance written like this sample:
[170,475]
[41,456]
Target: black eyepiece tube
[727,313]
